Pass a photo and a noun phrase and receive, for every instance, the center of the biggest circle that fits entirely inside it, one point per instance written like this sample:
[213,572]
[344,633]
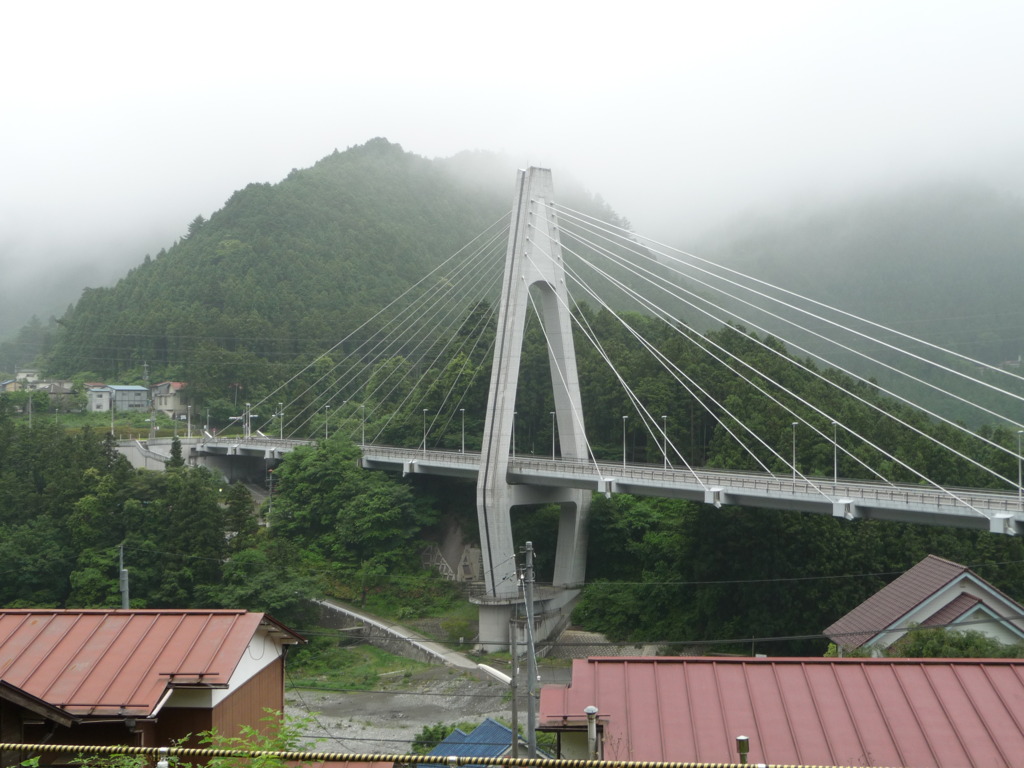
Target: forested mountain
[941,262]
[282,272]
[281,269]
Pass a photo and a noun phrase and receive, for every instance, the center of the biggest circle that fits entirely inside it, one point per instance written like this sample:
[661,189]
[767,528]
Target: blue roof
[489,739]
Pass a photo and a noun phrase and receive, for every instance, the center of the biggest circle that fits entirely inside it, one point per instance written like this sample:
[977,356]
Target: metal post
[835,456]
[513,686]
[591,713]
[270,492]
[327,420]
[362,425]
[794,450]
[424,430]
[1020,489]
[246,425]
[280,415]
[624,441]
[514,414]
[189,407]
[463,412]
[552,435]
[531,658]
[664,438]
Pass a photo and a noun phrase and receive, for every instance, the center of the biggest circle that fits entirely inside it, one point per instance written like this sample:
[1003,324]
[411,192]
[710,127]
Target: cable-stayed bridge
[781,385]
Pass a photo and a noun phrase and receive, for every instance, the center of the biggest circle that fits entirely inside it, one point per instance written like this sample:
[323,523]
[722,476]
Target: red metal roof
[919,713]
[100,662]
[894,600]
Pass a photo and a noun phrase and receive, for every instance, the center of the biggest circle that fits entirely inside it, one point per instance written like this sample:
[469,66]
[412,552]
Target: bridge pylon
[533,265]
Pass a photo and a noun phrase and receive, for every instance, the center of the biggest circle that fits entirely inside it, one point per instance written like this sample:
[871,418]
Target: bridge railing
[818,487]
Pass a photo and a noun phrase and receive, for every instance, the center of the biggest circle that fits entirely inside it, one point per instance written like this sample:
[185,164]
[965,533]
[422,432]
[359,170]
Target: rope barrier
[339,757]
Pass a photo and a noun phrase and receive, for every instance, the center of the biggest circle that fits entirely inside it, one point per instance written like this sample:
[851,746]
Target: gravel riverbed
[386,721]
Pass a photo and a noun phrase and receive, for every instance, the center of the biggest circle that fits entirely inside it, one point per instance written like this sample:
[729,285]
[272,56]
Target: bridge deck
[997,511]
[959,507]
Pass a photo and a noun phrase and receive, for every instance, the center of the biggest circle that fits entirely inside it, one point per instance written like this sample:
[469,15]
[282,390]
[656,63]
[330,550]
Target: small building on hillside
[27,376]
[60,391]
[136,677]
[917,713]
[934,593]
[98,398]
[167,397]
[119,397]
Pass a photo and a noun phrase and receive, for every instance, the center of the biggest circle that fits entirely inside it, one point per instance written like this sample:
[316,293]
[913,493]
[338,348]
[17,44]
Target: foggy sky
[121,121]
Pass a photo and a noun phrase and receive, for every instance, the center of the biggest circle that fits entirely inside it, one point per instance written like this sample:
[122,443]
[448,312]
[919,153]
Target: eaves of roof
[122,663]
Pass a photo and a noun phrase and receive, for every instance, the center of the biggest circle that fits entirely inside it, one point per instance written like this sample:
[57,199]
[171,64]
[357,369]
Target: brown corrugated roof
[919,713]
[98,662]
[894,600]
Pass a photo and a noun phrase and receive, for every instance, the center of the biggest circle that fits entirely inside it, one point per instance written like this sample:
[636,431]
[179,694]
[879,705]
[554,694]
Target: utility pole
[513,686]
[531,659]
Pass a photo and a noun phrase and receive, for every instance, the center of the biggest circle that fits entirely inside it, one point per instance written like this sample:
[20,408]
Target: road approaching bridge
[995,511]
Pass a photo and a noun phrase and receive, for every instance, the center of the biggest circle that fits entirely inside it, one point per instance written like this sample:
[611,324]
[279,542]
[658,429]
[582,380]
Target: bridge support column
[533,263]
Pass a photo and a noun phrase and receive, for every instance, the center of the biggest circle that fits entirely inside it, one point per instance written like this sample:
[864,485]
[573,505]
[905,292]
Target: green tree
[938,642]
[327,504]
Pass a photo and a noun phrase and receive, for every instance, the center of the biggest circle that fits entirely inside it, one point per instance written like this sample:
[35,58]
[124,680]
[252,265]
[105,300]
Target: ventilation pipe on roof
[591,713]
[743,748]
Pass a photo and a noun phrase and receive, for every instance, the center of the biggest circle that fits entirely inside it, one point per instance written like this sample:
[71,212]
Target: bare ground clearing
[386,721]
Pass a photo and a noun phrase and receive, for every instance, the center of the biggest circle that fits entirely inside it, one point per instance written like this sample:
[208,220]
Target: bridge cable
[936,347]
[792,394]
[834,384]
[848,372]
[412,319]
[400,324]
[406,293]
[579,319]
[426,371]
[940,488]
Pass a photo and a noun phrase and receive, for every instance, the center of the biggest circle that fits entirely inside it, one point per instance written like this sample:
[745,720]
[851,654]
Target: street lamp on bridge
[794,449]
[280,416]
[327,414]
[552,435]
[514,414]
[664,439]
[424,431]
[362,425]
[463,412]
[624,441]
[835,456]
